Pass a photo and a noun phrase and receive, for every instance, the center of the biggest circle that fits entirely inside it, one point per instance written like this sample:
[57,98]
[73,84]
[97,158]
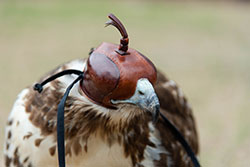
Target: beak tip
[156,113]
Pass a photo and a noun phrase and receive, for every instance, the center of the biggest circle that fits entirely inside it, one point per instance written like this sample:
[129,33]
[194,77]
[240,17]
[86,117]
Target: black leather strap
[39,86]
[60,123]
[60,110]
[182,140]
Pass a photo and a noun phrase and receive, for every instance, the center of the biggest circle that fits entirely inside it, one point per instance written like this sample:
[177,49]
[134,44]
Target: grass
[205,47]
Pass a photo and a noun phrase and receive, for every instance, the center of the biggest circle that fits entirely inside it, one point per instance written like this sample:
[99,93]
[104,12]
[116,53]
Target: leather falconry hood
[112,70]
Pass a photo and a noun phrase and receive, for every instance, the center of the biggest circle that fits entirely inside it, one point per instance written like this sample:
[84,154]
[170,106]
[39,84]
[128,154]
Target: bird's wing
[31,129]
[176,108]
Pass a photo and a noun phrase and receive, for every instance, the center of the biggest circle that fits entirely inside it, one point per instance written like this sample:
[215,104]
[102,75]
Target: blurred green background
[204,47]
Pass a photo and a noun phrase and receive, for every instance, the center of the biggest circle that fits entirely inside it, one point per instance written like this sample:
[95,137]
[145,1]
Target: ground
[204,47]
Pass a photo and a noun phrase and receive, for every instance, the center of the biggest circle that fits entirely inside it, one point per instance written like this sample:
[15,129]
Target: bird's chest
[132,150]
[99,154]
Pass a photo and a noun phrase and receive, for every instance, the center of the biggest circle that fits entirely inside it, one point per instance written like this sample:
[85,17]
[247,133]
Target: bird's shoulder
[177,109]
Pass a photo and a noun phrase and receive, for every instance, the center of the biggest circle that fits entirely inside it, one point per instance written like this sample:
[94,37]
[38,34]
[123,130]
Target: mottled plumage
[95,135]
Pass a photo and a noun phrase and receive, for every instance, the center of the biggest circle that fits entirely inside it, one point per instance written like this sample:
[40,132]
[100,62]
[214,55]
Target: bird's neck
[85,121]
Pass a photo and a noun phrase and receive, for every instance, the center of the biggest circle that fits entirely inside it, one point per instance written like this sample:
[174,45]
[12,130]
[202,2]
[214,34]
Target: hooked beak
[145,98]
[152,106]
[156,113]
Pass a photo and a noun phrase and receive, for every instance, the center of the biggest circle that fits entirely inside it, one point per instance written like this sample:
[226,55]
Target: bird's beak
[156,113]
[151,104]
[145,98]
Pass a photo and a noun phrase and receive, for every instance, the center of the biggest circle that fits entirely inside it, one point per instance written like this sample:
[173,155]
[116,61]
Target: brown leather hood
[110,75]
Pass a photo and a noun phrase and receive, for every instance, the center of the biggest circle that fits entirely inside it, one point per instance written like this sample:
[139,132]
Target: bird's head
[116,75]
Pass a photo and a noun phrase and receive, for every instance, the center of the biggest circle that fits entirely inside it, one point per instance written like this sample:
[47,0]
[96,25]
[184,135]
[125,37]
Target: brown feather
[176,108]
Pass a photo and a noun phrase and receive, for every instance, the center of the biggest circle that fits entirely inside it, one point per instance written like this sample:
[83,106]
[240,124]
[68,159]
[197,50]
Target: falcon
[111,116]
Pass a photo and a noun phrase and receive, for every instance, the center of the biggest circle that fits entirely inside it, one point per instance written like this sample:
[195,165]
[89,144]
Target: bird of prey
[119,131]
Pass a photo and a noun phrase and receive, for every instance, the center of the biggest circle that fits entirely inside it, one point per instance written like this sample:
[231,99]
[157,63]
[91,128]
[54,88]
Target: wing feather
[176,108]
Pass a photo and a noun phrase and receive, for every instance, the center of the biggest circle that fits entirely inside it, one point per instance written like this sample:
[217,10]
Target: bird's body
[96,136]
